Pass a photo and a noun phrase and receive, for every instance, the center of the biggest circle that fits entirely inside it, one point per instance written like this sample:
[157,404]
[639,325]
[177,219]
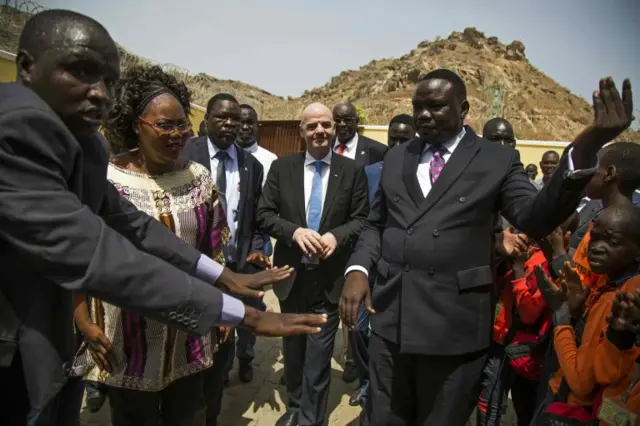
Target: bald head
[317,129]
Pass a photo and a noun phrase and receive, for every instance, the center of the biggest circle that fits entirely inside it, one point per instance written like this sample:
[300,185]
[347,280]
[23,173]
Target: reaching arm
[268,213]
[48,226]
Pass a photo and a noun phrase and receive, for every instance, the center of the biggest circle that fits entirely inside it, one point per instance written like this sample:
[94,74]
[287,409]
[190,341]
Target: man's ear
[464,109]
[611,173]
[25,65]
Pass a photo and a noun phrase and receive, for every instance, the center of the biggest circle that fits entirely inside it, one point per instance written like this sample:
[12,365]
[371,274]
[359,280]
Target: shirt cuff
[356,268]
[208,269]
[232,311]
[577,174]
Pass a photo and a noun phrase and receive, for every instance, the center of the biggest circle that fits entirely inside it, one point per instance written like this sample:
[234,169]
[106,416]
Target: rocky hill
[500,82]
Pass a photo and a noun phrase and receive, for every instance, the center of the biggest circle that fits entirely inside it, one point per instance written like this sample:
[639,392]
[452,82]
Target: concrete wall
[530,151]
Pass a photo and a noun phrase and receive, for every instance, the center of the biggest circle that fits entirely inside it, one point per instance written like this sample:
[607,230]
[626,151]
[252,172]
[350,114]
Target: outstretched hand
[282,325]
[250,285]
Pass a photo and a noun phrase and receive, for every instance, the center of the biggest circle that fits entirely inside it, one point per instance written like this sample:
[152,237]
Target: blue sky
[287,46]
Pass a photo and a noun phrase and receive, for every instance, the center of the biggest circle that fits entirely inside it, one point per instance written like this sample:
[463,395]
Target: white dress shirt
[309,171]
[232,193]
[350,148]
[265,157]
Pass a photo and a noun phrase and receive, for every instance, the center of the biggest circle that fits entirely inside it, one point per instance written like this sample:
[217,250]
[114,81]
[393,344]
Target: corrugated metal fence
[281,137]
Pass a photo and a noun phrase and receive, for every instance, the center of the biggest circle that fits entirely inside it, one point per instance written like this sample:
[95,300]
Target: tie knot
[221,155]
[438,150]
[319,165]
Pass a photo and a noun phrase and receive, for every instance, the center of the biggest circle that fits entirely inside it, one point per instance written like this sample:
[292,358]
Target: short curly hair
[133,89]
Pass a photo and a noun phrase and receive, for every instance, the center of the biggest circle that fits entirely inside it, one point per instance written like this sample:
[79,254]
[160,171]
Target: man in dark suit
[314,204]
[431,232]
[349,143]
[64,227]
[238,176]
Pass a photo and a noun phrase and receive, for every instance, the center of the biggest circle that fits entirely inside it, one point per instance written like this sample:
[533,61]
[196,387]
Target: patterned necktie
[315,200]
[341,148]
[437,162]
[221,178]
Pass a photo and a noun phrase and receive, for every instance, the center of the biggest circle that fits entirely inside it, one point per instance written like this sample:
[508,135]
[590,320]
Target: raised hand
[576,294]
[553,245]
[510,244]
[355,291]
[612,116]
[282,325]
[552,294]
[250,285]
[259,259]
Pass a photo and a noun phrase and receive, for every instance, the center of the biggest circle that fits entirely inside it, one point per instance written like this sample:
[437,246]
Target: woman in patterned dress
[153,372]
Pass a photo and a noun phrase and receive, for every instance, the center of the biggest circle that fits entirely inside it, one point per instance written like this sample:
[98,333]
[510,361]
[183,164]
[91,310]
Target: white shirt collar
[308,159]
[213,150]
[252,149]
[451,144]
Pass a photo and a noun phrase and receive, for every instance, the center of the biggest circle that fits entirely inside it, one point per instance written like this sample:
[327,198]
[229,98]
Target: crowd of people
[134,259]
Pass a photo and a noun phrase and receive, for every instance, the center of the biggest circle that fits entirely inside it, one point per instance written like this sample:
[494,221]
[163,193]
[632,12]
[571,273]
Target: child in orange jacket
[614,250]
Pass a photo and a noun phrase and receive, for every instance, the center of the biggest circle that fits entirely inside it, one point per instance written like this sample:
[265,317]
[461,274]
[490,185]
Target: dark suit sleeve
[347,233]
[539,213]
[269,208]
[49,227]
[368,248]
[257,237]
[146,233]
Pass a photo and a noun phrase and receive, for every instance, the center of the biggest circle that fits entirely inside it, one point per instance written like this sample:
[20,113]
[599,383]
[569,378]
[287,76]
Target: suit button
[180,318]
[462,199]
[410,231]
[172,316]
[436,233]
[406,268]
[430,272]
[193,324]
[396,199]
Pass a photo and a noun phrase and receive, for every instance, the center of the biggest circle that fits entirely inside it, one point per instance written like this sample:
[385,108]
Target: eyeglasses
[345,120]
[163,129]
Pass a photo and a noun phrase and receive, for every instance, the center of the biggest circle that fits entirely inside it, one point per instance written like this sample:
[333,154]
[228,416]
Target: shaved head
[317,129]
[315,108]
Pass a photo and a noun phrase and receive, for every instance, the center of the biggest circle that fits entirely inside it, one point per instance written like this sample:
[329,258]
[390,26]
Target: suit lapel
[458,162]
[409,171]
[335,178]
[202,153]
[297,183]
[243,171]
[361,151]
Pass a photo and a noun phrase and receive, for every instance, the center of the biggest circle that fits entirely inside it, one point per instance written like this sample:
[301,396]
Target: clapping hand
[625,312]
[510,244]
[576,294]
[553,245]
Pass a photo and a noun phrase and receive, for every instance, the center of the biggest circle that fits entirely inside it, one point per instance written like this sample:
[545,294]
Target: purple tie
[437,162]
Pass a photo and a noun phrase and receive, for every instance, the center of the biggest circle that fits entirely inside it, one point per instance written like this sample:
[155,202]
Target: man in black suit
[431,232]
[349,143]
[238,176]
[63,227]
[314,204]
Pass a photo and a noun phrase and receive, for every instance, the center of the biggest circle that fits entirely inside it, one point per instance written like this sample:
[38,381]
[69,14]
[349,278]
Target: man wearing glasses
[349,143]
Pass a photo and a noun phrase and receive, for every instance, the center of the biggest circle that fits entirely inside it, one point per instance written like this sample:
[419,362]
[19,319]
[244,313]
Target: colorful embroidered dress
[150,355]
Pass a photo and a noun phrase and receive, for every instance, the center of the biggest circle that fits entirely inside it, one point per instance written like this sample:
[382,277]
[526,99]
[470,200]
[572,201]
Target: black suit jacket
[368,151]
[434,255]
[64,227]
[249,239]
[281,211]
[587,214]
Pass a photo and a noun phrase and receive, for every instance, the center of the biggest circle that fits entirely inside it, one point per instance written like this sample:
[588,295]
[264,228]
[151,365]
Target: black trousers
[420,390]
[214,381]
[307,359]
[179,404]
